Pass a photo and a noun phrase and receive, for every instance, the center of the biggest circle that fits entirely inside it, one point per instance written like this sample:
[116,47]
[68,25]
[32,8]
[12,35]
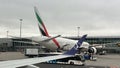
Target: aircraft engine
[92,50]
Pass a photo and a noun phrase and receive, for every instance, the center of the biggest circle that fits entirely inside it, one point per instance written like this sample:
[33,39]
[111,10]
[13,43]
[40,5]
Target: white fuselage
[64,43]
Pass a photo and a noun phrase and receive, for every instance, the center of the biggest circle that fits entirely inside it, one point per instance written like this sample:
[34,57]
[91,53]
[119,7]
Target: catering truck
[31,52]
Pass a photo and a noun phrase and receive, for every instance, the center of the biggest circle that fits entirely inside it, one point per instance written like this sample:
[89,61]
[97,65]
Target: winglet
[74,50]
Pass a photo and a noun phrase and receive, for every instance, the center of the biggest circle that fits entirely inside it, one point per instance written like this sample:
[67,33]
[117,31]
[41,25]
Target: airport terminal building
[99,39]
[9,44]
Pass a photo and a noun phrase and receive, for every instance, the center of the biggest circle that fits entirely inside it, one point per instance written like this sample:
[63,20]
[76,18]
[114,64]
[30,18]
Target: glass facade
[98,40]
[21,46]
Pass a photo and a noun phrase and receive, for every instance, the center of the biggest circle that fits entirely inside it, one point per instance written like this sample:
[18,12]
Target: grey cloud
[61,16]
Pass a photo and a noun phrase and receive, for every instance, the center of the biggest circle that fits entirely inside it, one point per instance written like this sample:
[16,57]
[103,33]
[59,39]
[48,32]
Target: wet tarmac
[111,60]
[11,56]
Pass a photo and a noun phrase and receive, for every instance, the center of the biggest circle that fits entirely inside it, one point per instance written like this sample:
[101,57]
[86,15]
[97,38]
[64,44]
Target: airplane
[29,62]
[56,42]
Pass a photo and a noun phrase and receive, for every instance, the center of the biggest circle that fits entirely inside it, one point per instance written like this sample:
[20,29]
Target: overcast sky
[94,17]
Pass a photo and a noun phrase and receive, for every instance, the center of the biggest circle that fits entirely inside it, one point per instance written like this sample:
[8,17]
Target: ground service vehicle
[31,52]
[76,60]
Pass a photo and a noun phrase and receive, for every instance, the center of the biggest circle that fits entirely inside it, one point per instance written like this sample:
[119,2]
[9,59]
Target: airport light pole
[20,26]
[20,29]
[7,33]
[78,31]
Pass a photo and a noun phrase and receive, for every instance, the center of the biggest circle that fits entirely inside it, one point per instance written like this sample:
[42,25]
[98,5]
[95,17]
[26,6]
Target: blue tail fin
[74,50]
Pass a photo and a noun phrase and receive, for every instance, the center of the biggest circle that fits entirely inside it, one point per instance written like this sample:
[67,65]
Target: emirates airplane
[56,42]
[29,63]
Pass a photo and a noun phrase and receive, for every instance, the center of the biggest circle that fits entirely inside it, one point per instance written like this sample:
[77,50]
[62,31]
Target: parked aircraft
[29,62]
[56,42]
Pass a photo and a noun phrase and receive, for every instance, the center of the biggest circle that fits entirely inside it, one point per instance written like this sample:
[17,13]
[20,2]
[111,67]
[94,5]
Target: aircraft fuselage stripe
[55,41]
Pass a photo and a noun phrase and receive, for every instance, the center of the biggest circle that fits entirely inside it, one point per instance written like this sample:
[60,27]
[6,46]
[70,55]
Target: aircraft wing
[50,38]
[26,42]
[31,61]
[36,42]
